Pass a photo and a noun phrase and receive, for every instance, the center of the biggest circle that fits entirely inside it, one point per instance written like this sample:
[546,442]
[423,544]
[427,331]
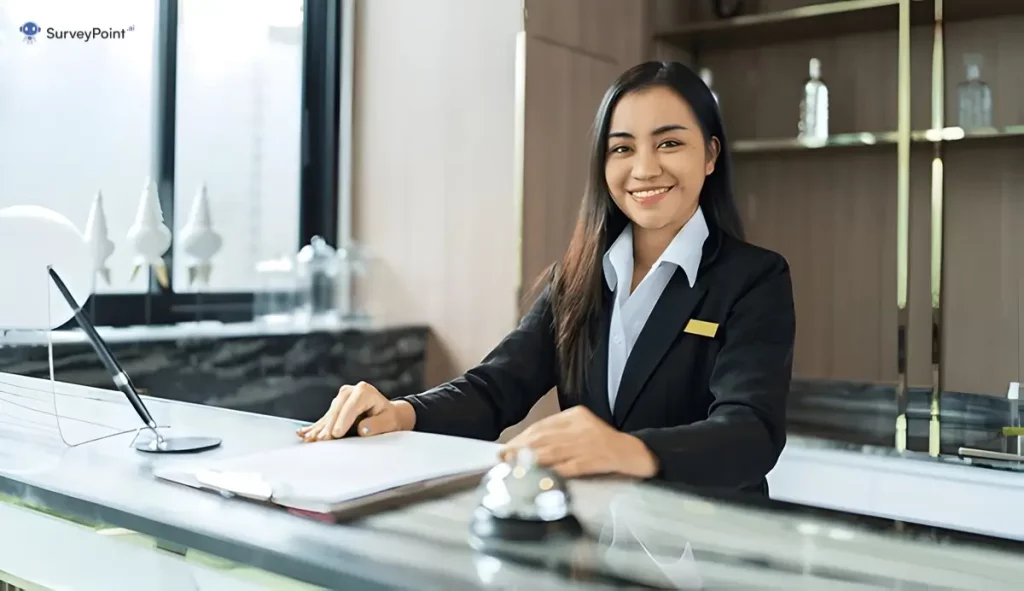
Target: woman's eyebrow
[657,131]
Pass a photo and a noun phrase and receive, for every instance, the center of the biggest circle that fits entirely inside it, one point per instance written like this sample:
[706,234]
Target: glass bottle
[354,274]
[814,105]
[276,299]
[974,97]
[317,275]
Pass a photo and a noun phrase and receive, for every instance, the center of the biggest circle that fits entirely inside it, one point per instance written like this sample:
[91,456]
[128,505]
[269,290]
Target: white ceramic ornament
[199,240]
[97,237]
[148,237]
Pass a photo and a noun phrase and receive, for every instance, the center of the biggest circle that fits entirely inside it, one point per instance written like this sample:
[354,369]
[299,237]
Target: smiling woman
[669,338]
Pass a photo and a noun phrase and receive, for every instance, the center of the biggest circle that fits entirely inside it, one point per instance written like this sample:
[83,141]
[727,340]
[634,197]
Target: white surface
[965,498]
[57,554]
[318,475]
[32,237]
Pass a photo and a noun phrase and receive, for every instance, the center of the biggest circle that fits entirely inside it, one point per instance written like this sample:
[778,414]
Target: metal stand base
[177,445]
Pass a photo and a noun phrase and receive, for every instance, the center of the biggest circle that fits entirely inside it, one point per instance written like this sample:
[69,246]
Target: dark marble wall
[865,414]
[286,375]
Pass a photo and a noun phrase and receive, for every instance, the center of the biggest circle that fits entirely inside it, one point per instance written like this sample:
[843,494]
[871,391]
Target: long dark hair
[576,288]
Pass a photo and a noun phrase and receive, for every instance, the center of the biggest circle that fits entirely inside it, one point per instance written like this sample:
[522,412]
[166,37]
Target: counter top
[639,534]
[184,331]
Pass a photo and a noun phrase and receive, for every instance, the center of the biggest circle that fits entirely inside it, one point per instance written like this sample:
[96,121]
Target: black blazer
[711,409]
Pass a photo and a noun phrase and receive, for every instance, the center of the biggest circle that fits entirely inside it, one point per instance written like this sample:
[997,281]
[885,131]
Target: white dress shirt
[631,310]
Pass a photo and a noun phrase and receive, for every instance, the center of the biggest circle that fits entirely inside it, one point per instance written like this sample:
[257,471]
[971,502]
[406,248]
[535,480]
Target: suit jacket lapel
[668,318]
[597,369]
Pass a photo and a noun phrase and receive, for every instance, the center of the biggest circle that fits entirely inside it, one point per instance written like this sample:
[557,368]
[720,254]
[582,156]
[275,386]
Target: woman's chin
[649,220]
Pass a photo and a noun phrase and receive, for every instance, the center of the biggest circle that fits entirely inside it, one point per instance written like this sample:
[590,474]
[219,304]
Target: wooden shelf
[829,19]
[842,140]
[956,134]
[868,139]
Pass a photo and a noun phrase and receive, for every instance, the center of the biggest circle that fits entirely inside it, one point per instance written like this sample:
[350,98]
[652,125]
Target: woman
[670,339]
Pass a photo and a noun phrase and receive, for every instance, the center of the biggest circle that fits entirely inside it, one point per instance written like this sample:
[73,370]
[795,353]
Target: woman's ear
[714,147]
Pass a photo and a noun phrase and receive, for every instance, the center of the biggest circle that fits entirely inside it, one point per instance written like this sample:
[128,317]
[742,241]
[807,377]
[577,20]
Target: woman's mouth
[650,196]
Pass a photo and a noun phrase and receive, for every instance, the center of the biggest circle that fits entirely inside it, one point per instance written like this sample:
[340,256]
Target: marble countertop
[185,331]
[638,534]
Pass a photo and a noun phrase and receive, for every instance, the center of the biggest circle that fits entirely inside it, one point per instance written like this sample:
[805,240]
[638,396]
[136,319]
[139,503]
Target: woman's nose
[646,165]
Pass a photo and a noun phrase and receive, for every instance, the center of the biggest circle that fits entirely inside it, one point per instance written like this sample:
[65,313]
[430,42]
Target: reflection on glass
[238,131]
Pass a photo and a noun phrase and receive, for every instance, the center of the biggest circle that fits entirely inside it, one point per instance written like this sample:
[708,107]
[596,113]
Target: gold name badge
[702,328]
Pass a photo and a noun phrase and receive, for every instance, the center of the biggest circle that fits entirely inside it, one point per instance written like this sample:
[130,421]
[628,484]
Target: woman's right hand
[363,403]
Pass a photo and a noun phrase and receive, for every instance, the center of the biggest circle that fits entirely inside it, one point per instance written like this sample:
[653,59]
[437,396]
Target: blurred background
[389,177]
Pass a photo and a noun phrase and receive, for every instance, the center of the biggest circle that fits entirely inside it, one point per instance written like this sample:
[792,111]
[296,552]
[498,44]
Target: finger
[307,428]
[302,431]
[508,453]
[314,429]
[553,454]
[572,468]
[376,425]
[357,404]
[325,423]
[537,438]
[530,434]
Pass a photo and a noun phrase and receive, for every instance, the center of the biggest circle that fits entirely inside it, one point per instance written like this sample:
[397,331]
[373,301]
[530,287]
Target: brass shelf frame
[902,223]
[937,226]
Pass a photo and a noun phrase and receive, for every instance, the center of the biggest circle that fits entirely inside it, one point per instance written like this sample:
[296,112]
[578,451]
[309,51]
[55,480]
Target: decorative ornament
[148,237]
[97,237]
[199,240]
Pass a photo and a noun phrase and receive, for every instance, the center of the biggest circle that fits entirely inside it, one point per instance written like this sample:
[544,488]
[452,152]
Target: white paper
[330,472]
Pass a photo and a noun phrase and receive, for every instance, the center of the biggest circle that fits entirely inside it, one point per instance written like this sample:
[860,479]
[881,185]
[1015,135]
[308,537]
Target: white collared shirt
[630,311]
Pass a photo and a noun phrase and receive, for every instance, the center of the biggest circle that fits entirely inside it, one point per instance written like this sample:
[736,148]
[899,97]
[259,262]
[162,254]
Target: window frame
[323,136]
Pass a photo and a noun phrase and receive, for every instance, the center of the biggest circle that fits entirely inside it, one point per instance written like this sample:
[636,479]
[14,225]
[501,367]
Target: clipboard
[386,471]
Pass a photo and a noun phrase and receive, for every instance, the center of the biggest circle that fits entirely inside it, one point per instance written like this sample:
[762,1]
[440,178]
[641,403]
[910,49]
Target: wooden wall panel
[984,257]
[434,167]
[608,30]
[825,215]
[984,250]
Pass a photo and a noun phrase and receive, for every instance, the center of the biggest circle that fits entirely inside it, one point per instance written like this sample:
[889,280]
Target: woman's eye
[670,144]
[620,149]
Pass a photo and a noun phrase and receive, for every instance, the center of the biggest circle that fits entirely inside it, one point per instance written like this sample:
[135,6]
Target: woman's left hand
[575,442]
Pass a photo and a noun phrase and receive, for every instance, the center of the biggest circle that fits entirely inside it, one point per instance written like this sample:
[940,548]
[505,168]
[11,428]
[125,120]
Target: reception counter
[92,516]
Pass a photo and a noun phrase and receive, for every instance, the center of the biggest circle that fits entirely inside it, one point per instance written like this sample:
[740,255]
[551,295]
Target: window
[239,95]
[238,127]
[76,117]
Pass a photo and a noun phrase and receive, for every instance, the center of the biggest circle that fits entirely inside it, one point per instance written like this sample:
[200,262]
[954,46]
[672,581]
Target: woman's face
[657,158]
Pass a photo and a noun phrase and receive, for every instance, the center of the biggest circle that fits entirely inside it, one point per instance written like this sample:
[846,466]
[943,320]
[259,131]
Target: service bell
[522,501]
